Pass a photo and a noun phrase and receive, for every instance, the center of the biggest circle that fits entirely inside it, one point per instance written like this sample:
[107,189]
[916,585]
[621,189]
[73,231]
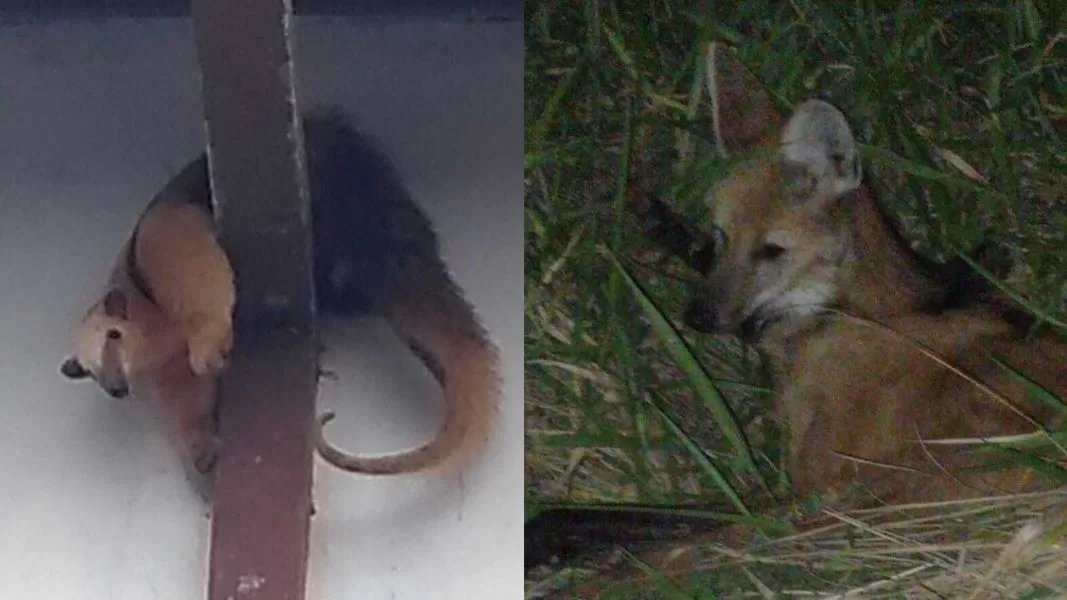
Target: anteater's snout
[118,391]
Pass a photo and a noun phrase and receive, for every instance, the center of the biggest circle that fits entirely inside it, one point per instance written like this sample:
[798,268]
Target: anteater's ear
[742,112]
[115,304]
[819,157]
[72,369]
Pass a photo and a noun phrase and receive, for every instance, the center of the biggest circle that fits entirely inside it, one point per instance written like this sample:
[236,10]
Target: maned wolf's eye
[768,252]
[114,334]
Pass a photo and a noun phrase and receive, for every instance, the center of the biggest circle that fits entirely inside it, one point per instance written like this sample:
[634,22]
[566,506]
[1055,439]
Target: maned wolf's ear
[72,369]
[115,304]
[742,112]
[818,153]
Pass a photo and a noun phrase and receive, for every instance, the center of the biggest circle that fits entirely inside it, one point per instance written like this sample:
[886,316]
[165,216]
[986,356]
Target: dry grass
[995,547]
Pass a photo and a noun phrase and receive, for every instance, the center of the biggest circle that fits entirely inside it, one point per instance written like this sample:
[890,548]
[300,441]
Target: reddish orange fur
[848,388]
[843,386]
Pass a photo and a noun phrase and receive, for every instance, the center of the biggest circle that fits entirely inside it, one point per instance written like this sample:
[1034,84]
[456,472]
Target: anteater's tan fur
[374,251]
[173,255]
[126,342]
[172,345]
[176,251]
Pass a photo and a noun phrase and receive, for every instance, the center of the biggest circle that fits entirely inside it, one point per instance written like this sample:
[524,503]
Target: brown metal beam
[262,498]
[262,502]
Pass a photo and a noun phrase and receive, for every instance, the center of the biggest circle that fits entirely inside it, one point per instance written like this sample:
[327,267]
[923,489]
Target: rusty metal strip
[262,498]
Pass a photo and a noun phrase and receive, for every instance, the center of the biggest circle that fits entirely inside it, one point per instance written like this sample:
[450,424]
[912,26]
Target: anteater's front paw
[204,454]
[202,462]
[209,348]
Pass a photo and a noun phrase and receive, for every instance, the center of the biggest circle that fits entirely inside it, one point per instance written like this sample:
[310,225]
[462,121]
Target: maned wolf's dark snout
[702,316]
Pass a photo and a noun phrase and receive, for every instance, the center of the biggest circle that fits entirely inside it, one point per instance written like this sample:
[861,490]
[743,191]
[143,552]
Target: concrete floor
[94,117]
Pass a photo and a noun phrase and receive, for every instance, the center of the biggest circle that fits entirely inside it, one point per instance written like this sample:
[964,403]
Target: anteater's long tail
[427,309]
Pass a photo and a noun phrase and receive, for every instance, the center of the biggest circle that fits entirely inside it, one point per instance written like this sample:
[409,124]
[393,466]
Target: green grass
[962,113]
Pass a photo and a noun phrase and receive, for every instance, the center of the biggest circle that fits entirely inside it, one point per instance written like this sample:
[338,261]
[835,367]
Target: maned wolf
[871,362]
[172,292]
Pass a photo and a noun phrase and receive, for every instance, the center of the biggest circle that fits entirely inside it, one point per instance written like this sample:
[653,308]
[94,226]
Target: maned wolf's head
[119,337]
[780,235]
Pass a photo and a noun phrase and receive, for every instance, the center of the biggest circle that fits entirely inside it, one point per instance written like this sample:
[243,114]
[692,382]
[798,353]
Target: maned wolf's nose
[700,316]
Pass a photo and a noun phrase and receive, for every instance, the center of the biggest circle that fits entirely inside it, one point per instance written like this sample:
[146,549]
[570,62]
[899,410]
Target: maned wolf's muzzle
[701,316]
